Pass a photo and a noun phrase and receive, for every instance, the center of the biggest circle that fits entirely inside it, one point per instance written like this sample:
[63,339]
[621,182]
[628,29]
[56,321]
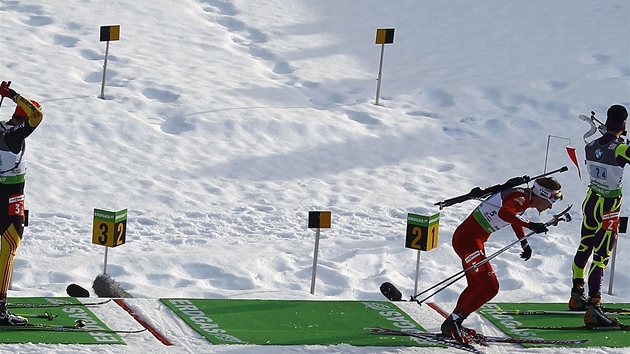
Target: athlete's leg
[10,242]
[603,243]
[468,243]
[591,222]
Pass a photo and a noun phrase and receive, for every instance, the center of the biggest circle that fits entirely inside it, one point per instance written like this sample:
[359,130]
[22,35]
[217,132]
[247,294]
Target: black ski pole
[552,222]
[462,273]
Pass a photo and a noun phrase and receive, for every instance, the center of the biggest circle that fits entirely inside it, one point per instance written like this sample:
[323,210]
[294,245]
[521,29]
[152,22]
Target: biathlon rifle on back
[597,126]
[478,193]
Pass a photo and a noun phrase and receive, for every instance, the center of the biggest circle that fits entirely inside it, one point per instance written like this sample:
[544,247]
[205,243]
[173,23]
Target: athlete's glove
[538,227]
[527,251]
[5,91]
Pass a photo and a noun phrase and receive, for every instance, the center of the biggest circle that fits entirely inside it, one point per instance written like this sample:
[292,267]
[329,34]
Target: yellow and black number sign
[319,219]
[110,33]
[422,231]
[385,36]
[110,228]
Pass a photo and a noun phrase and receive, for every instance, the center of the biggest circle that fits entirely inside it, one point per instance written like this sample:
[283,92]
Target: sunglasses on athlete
[551,195]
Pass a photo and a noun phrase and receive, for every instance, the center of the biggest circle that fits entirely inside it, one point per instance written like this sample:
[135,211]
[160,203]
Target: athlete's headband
[548,194]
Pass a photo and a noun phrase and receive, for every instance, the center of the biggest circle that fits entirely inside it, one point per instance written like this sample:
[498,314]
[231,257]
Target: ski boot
[452,329]
[9,319]
[595,316]
[578,300]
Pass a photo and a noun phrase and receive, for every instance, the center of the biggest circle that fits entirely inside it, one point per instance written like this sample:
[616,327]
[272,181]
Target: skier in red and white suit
[497,211]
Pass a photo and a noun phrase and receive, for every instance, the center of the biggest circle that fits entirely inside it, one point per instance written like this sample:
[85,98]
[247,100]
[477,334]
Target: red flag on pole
[573,157]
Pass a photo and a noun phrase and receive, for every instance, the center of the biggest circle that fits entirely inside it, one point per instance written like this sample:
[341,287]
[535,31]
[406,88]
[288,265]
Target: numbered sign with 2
[109,228]
[422,231]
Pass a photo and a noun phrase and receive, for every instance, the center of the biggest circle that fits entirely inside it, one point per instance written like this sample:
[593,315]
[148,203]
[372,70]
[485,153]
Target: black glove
[527,251]
[538,227]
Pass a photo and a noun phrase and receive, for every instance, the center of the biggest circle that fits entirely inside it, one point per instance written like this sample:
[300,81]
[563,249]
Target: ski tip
[75,290]
[390,291]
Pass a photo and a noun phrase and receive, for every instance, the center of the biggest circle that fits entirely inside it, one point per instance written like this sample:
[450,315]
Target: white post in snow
[102,95]
[622,229]
[105,261]
[108,33]
[313,276]
[383,36]
[415,286]
[380,74]
[612,270]
[317,220]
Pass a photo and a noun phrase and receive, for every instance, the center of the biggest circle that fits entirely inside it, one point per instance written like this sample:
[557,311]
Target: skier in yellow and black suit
[23,122]
[606,158]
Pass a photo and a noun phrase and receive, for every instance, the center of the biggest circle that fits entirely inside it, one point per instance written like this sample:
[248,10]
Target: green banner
[508,323]
[65,315]
[290,322]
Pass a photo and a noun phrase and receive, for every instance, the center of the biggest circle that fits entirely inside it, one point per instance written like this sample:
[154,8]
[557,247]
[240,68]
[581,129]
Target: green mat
[289,322]
[508,324]
[67,315]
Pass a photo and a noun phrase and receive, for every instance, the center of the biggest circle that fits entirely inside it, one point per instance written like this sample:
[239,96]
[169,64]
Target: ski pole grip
[2,98]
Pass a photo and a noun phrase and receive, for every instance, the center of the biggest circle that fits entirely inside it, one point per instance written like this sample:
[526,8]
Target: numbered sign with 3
[110,228]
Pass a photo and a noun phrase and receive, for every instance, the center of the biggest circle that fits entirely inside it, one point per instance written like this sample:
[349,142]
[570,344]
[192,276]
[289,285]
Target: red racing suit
[497,211]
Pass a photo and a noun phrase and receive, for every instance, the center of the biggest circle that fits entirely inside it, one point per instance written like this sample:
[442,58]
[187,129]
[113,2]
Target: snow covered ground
[225,122]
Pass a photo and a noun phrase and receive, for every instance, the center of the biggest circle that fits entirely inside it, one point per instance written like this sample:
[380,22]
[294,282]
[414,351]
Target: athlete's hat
[616,117]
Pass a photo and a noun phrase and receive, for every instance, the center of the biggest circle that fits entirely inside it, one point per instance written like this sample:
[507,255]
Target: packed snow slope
[225,122]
